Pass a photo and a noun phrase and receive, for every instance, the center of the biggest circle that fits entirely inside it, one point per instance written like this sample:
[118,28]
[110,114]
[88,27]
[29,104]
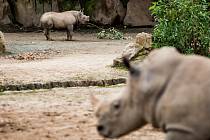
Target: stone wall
[27,12]
[109,12]
[24,12]
[4,12]
[138,13]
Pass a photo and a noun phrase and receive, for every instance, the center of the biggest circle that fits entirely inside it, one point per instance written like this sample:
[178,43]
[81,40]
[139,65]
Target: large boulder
[25,13]
[4,12]
[108,12]
[144,40]
[137,49]
[138,13]
[28,12]
[131,50]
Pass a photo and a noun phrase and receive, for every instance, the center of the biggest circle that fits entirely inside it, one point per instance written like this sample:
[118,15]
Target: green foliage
[184,24]
[68,5]
[42,1]
[89,6]
[110,33]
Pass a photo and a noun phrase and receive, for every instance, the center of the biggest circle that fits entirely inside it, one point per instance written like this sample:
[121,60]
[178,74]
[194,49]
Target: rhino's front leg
[47,33]
[69,32]
[178,135]
[3,48]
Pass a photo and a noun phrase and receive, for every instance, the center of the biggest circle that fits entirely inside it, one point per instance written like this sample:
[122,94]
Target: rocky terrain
[25,13]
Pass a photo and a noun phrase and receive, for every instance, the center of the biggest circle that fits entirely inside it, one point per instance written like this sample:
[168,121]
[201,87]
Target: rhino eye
[116,105]
[135,72]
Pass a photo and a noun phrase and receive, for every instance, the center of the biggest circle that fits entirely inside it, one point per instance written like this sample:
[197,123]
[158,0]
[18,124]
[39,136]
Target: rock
[144,40]
[117,62]
[108,12]
[2,43]
[130,51]
[28,13]
[140,47]
[138,13]
[25,13]
[4,12]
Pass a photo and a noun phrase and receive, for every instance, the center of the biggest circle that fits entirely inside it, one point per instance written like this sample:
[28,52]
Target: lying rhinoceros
[168,90]
[63,20]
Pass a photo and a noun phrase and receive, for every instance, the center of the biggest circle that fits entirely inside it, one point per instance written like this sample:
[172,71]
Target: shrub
[110,33]
[184,24]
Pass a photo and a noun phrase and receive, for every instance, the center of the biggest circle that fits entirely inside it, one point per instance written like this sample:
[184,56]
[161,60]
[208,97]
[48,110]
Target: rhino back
[186,102]
[59,20]
[62,20]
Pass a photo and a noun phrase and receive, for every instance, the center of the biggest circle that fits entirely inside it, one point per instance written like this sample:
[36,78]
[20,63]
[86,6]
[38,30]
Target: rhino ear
[82,10]
[126,62]
[133,71]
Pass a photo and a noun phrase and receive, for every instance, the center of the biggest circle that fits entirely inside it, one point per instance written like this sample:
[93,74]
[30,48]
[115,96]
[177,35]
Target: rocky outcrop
[144,40]
[2,43]
[4,12]
[112,12]
[108,12]
[131,50]
[137,49]
[24,12]
[28,12]
[138,13]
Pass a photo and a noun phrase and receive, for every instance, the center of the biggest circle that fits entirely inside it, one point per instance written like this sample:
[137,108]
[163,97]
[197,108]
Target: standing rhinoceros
[63,20]
[169,90]
[2,43]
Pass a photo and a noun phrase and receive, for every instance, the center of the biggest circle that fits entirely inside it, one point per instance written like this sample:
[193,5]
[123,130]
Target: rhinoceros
[64,20]
[2,43]
[169,90]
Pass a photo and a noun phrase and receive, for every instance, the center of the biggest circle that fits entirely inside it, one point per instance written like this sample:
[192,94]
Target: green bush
[184,24]
[110,33]
[89,6]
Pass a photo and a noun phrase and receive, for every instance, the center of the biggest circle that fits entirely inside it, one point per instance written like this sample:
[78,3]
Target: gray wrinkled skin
[64,20]
[2,43]
[168,90]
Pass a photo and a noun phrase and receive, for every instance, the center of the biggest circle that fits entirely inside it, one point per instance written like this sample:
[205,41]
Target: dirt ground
[57,114]
[84,58]
[64,113]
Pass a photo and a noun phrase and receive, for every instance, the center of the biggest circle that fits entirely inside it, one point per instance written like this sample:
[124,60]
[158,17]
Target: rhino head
[134,107]
[83,19]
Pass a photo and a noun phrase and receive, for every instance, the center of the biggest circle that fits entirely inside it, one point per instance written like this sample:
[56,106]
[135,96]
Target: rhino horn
[133,71]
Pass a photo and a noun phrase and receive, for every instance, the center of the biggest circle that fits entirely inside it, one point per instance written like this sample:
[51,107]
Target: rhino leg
[174,135]
[3,48]
[47,33]
[69,32]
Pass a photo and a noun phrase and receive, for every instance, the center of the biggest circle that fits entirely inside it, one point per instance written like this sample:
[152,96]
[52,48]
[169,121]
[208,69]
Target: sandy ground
[84,58]
[58,114]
